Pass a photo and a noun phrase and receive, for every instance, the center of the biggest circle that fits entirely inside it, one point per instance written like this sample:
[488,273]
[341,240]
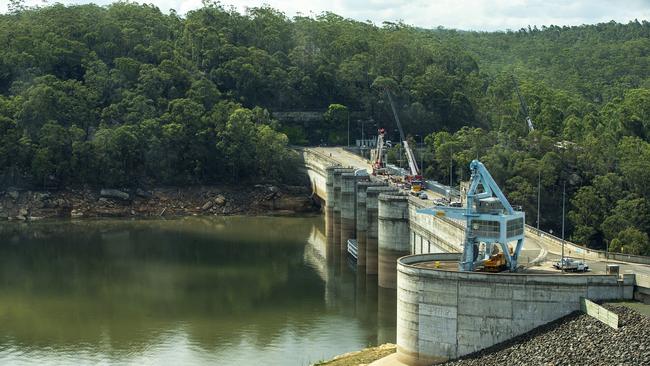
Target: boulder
[114,193]
[143,194]
[13,194]
[22,214]
[219,200]
[76,213]
[206,206]
[40,196]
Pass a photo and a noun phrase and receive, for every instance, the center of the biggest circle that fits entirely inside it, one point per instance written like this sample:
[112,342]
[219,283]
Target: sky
[485,15]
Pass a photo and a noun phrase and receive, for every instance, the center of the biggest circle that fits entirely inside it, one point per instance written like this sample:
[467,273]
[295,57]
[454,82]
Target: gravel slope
[577,339]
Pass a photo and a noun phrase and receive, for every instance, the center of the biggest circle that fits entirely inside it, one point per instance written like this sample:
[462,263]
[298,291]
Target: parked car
[441,202]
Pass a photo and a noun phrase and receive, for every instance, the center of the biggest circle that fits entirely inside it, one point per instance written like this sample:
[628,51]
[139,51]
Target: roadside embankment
[16,204]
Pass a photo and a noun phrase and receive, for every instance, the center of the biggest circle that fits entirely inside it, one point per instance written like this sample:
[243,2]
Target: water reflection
[227,291]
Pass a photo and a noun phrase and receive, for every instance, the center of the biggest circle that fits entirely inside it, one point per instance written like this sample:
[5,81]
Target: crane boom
[378,167]
[413,165]
[524,107]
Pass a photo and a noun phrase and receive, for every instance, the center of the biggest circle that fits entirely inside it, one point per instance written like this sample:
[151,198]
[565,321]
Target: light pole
[563,199]
[451,169]
[539,191]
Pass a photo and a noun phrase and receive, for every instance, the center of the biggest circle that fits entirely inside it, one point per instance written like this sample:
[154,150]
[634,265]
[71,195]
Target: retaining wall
[433,234]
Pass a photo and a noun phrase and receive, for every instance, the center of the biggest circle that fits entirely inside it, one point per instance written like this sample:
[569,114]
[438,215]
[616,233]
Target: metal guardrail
[638,259]
[329,159]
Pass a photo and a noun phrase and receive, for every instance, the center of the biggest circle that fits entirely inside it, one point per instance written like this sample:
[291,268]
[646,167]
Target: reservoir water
[192,291]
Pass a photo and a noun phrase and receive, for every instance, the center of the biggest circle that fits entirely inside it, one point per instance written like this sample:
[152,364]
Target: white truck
[571,265]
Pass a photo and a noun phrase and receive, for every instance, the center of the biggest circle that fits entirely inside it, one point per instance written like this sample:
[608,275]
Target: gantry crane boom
[524,106]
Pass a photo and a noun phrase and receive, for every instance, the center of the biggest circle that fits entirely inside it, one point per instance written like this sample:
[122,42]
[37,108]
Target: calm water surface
[195,291]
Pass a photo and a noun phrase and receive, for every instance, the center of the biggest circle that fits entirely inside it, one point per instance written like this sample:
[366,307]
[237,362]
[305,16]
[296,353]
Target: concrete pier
[329,202]
[394,236]
[362,221]
[336,211]
[372,204]
[347,203]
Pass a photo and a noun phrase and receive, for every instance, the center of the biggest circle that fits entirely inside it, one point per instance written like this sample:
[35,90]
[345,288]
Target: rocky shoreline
[29,205]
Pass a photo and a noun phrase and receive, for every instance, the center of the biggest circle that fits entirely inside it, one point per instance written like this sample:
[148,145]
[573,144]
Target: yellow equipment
[496,262]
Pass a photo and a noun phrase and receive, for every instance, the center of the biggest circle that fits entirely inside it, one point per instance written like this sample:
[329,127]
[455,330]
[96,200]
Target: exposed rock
[219,200]
[292,203]
[114,193]
[143,194]
[206,206]
[22,214]
[168,201]
[13,194]
[298,190]
[40,196]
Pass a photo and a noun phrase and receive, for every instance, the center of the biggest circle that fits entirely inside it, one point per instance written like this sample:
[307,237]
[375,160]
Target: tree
[589,210]
[631,241]
[337,118]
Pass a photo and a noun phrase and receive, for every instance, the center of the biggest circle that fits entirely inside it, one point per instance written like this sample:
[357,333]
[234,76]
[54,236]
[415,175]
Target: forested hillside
[125,95]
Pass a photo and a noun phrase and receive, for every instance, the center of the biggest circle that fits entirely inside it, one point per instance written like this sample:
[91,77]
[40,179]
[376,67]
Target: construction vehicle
[524,106]
[414,179]
[491,224]
[379,165]
[496,262]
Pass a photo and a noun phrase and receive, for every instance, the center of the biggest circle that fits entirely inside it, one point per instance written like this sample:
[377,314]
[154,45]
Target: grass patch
[362,357]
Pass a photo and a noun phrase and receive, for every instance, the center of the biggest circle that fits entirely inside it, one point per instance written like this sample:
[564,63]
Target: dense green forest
[125,95]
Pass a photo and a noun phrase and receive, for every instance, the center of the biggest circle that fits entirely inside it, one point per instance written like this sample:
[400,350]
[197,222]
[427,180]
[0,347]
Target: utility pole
[539,185]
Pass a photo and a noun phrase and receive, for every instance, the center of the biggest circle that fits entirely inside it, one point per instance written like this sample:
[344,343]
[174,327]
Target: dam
[443,313]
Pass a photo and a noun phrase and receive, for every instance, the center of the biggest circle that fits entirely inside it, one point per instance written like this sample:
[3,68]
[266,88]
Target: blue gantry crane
[491,224]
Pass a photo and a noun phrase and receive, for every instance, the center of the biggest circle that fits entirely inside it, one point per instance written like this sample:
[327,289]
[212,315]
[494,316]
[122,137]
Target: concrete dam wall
[443,314]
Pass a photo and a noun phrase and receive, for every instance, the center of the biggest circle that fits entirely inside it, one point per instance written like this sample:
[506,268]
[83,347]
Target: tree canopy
[126,95]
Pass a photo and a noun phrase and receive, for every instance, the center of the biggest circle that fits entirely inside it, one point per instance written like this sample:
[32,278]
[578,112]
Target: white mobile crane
[414,179]
[524,106]
[379,165]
